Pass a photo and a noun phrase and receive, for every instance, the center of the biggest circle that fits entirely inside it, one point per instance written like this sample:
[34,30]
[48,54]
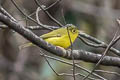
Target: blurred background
[94,17]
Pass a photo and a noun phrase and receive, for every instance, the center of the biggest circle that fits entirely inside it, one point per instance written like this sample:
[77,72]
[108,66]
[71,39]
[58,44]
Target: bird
[61,37]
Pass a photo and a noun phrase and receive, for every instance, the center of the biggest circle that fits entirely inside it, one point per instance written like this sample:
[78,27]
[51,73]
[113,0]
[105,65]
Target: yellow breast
[62,41]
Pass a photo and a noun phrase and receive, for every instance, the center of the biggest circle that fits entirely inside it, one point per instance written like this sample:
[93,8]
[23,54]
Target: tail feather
[25,45]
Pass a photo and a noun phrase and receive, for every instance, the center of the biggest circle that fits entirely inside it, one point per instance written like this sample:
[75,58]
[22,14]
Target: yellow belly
[60,41]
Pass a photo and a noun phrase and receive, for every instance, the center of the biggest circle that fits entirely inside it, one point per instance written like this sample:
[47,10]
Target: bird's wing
[55,33]
[50,36]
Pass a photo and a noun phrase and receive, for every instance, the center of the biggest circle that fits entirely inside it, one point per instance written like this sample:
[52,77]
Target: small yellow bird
[59,37]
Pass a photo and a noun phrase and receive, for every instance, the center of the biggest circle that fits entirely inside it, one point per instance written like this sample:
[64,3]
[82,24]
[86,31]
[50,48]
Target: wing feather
[55,33]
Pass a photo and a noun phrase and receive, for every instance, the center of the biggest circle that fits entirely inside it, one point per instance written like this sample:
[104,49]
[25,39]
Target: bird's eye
[73,31]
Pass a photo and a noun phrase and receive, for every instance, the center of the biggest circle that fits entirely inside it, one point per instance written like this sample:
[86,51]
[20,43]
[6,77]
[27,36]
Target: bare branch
[71,64]
[37,17]
[28,16]
[78,54]
[53,4]
[108,72]
[113,41]
[2,10]
[48,14]
[84,35]
[99,44]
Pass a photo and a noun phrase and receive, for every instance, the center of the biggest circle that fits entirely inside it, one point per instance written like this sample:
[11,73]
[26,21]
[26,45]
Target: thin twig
[61,74]
[40,28]
[100,43]
[6,13]
[48,14]
[37,17]
[28,16]
[91,44]
[41,53]
[108,72]
[71,64]
[71,52]
[113,41]
[53,4]
[77,74]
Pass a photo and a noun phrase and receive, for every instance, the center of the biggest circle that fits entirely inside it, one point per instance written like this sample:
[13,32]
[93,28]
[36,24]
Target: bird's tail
[25,45]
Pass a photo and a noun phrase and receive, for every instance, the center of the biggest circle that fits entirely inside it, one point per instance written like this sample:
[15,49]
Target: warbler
[60,37]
